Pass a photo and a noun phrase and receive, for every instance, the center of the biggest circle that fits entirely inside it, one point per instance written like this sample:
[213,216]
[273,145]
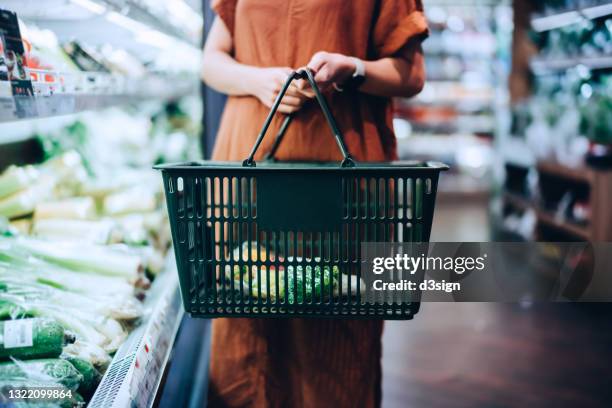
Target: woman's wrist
[249,79]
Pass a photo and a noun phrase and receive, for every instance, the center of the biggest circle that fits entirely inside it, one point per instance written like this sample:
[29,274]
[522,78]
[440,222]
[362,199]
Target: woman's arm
[400,75]
[222,72]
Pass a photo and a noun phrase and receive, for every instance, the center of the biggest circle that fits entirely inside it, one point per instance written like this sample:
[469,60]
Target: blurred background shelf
[545,64]
[564,18]
[583,186]
[546,218]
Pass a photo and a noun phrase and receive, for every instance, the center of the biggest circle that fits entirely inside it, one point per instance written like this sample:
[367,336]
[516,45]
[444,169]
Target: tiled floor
[496,355]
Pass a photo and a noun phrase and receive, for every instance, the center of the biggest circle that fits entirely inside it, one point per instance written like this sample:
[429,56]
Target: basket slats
[261,243]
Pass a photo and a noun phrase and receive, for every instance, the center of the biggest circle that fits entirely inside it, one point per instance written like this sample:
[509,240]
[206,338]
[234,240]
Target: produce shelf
[542,23]
[132,15]
[135,374]
[41,106]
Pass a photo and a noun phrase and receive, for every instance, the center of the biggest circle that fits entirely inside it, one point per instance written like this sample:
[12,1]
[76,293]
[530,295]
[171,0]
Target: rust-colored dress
[297,362]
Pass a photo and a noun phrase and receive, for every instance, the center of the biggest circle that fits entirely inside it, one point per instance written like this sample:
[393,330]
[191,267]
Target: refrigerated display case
[94,93]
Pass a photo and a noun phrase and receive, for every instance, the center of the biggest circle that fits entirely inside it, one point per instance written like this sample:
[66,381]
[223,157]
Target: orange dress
[299,362]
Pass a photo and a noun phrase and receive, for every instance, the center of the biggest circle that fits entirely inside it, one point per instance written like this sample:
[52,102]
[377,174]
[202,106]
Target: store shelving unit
[41,106]
[597,183]
[135,374]
[122,23]
[544,65]
[118,14]
[542,23]
[567,201]
[454,116]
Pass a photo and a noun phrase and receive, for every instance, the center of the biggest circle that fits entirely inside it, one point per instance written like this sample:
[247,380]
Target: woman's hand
[268,82]
[329,68]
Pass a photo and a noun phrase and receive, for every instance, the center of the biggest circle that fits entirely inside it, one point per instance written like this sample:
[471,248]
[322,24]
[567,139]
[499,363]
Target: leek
[15,179]
[24,201]
[91,232]
[88,352]
[136,200]
[21,226]
[79,208]
[29,269]
[111,306]
[84,257]
[19,204]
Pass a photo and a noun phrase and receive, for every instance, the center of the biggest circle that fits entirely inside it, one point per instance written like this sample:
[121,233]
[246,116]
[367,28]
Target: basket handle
[304,73]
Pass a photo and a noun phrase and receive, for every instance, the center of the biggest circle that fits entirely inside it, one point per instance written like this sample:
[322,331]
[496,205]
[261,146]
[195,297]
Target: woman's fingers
[317,61]
[292,101]
[307,93]
[287,108]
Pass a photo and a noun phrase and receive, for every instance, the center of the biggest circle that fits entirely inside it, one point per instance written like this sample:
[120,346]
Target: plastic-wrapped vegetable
[32,338]
[82,257]
[21,295]
[88,352]
[47,370]
[91,376]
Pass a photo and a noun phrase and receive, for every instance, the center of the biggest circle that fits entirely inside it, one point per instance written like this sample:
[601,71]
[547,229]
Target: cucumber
[91,376]
[31,338]
[72,399]
[56,370]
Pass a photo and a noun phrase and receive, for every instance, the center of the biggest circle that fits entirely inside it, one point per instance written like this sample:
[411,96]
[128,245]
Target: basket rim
[413,165]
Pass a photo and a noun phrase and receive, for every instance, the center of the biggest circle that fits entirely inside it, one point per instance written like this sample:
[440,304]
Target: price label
[18,333]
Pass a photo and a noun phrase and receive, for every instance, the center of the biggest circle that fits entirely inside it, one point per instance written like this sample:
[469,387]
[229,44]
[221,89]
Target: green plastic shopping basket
[279,239]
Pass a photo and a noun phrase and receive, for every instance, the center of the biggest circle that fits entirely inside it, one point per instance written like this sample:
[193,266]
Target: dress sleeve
[397,23]
[226,10]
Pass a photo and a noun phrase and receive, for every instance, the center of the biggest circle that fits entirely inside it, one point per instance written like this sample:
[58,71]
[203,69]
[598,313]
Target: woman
[363,53]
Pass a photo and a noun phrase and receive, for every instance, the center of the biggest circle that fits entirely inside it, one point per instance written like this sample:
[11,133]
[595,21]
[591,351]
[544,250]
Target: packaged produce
[48,370]
[83,257]
[91,376]
[88,352]
[32,338]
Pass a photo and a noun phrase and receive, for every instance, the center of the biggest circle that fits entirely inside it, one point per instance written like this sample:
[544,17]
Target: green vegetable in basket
[52,370]
[307,286]
[31,338]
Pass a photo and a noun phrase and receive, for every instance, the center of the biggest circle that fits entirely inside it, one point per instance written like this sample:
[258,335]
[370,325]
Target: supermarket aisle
[485,354]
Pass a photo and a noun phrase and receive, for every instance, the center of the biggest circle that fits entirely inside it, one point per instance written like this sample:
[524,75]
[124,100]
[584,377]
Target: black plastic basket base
[404,312]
